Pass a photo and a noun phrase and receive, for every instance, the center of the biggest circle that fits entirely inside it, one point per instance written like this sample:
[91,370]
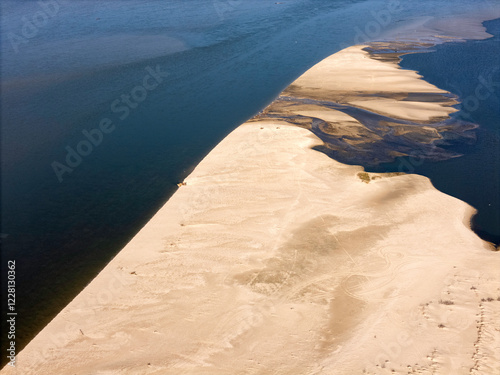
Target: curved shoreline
[261,204]
[368,110]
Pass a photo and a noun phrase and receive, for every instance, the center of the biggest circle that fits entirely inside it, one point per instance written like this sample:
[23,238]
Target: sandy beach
[368,110]
[273,258]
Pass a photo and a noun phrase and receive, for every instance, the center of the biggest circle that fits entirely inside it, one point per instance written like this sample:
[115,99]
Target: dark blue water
[63,66]
[471,71]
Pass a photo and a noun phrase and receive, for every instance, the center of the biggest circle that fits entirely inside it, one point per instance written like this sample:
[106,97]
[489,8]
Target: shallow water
[222,62]
[470,70]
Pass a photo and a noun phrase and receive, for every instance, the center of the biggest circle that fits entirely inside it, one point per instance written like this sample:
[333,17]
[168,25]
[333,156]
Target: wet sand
[367,110]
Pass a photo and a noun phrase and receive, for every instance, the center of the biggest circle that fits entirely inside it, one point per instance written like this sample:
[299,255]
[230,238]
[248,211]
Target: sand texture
[277,259]
[367,110]
[274,258]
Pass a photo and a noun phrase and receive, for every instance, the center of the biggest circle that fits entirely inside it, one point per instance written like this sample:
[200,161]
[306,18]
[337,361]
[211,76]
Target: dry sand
[374,110]
[352,77]
[276,259]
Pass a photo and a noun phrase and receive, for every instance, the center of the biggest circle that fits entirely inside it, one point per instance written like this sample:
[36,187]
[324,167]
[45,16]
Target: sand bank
[368,110]
[278,258]
[455,27]
[274,258]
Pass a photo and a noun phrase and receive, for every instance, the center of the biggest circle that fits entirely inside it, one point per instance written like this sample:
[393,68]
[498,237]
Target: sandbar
[273,258]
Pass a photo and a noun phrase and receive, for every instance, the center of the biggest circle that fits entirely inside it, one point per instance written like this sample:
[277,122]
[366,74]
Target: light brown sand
[315,271]
[275,259]
[353,71]
[375,110]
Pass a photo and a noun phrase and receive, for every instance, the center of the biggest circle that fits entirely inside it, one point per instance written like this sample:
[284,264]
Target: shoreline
[203,207]
[368,110]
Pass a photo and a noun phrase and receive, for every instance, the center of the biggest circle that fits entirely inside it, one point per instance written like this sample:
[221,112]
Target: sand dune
[279,260]
[276,259]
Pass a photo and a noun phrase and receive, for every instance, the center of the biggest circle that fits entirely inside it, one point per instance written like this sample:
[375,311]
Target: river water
[106,105]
